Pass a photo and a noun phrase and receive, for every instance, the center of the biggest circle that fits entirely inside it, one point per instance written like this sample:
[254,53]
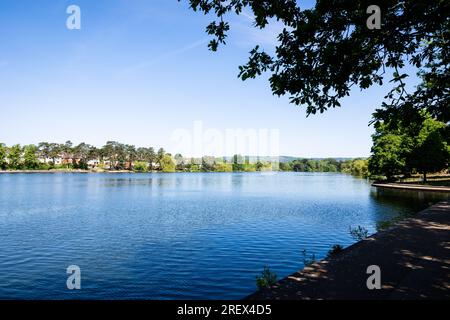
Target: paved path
[414,257]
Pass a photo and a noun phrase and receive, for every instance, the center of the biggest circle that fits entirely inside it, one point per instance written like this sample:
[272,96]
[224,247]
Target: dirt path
[414,258]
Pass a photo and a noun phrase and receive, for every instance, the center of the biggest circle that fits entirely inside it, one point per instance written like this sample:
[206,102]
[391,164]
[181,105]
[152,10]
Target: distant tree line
[113,155]
[357,167]
[399,149]
[118,156]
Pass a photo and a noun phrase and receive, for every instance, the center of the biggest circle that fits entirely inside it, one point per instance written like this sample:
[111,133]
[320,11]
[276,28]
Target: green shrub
[308,260]
[359,233]
[167,164]
[223,167]
[140,166]
[45,166]
[267,279]
[335,249]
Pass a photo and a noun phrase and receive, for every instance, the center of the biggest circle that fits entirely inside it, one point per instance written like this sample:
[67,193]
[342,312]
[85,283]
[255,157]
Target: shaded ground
[413,255]
[435,182]
[432,180]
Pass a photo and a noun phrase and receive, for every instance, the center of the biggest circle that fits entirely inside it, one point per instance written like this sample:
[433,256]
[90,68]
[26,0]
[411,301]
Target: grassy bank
[432,180]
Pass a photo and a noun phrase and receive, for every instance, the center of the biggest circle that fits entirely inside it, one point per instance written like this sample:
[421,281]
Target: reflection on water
[182,236]
[408,198]
[400,199]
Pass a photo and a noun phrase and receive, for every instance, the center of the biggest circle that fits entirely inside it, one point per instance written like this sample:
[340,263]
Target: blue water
[175,236]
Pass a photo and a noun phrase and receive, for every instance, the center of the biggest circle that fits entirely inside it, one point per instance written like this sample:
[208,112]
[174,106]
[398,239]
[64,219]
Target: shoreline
[132,172]
[66,171]
[141,172]
[412,256]
[415,187]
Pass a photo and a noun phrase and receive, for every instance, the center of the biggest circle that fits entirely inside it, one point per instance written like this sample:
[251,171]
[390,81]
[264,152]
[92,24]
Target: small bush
[359,233]
[81,165]
[267,279]
[335,249]
[307,261]
[45,166]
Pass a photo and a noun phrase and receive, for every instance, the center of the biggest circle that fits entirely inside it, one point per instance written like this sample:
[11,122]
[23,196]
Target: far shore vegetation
[400,153]
[115,156]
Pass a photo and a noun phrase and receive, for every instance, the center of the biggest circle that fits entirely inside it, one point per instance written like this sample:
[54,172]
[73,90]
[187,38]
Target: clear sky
[139,70]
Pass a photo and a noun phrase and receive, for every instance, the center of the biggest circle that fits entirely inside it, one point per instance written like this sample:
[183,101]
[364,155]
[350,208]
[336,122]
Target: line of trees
[357,167]
[400,149]
[17,157]
[118,156]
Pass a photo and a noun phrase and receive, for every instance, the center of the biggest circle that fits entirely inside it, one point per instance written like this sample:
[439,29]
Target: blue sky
[139,70]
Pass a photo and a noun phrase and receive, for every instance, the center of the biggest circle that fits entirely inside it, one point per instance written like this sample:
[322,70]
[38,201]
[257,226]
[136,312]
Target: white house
[58,160]
[93,163]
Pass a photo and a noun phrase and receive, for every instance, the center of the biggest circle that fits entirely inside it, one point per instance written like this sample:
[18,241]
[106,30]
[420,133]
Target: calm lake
[177,236]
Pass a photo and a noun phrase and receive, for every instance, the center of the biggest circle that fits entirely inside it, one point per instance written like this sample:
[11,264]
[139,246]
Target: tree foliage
[140,166]
[14,157]
[356,167]
[407,148]
[30,160]
[431,152]
[167,163]
[325,51]
[388,154]
[3,163]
